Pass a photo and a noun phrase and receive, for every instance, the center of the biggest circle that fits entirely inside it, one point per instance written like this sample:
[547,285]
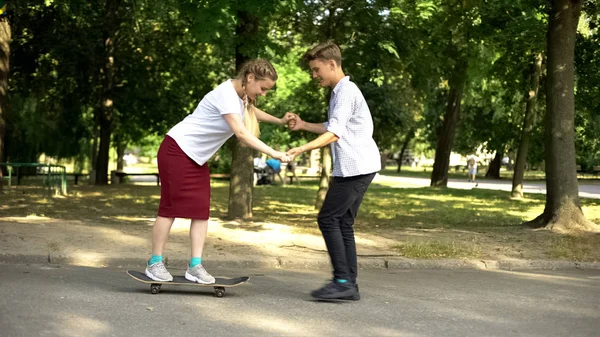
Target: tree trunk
[562,212]
[120,154]
[494,169]
[108,86]
[104,149]
[439,176]
[242,169]
[94,151]
[409,136]
[241,183]
[326,158]
[528,122]
[325,176]
[5,37]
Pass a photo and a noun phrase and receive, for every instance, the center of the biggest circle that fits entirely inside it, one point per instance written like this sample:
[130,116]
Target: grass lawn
[423,222]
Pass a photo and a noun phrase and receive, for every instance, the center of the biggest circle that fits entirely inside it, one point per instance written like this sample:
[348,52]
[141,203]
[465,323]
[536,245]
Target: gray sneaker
[158,272]
[199,274]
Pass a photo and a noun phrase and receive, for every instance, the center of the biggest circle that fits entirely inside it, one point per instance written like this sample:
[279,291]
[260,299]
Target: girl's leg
[196,271]
[198,229]
[160,233]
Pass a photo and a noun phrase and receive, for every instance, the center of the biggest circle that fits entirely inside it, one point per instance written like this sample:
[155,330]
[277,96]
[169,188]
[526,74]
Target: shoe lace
[331,286]
[161,267]
[200,270]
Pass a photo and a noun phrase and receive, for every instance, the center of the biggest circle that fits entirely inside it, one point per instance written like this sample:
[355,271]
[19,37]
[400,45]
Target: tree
[251,40]
[107,75]
[242,176]
[439,175]
[5,37]
[562,211]
[587,96]
[528,121]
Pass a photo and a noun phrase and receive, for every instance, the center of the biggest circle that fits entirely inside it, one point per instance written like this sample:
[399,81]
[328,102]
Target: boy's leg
[339,199]
[347,228]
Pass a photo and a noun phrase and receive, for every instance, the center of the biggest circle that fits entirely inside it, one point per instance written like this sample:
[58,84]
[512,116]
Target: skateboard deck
[219,285]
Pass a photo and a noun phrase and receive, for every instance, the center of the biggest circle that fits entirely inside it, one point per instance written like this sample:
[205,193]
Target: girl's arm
[266,117]
[237,126]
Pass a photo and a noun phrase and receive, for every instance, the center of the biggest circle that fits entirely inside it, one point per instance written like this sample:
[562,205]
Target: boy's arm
[296,123]
[318,128]
[325,139]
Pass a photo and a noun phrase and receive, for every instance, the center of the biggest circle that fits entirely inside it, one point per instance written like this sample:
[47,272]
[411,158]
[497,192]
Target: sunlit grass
[437,249]
[424,222]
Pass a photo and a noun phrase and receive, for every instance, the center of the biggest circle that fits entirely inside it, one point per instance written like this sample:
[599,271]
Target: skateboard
[219,285]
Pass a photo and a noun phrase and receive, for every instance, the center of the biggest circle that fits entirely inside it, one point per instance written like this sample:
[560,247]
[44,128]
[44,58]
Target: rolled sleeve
[340,113]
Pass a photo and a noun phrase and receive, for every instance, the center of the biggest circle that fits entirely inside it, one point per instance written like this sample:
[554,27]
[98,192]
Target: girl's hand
[282,157]
[295,123]
[287,118]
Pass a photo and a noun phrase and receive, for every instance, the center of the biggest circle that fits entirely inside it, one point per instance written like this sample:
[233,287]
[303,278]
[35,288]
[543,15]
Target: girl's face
[256,87]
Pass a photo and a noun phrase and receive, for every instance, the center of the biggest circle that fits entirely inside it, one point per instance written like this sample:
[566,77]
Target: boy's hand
[295,151]
[295,123]
[283,157]
[287,118]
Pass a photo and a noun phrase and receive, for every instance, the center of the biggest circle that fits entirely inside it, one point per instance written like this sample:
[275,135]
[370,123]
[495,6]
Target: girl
[185,181]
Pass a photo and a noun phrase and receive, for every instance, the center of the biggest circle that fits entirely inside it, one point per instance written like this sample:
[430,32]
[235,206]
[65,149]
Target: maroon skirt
[184,185]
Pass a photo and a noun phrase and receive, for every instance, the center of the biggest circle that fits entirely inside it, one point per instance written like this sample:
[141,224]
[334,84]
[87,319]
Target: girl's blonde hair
[261,69]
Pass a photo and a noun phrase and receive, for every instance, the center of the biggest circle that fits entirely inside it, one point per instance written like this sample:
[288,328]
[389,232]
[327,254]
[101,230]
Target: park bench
[76,176]
[119,176]
[595,171]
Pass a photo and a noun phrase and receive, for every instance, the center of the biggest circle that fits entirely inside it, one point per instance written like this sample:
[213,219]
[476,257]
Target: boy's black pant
[336,221]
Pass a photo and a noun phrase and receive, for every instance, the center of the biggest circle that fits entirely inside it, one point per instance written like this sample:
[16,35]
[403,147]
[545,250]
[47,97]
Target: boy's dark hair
[325,51]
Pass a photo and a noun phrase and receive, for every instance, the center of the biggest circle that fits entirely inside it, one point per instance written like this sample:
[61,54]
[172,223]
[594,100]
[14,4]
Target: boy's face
[256,87]
[323,71]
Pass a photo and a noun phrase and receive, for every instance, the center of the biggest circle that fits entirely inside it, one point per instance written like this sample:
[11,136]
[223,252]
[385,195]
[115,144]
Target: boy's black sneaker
[353,297]
[335,290]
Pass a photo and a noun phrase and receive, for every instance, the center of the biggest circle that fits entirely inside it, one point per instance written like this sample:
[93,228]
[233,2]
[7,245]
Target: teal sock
[194,261]
[154,259]
[341,280]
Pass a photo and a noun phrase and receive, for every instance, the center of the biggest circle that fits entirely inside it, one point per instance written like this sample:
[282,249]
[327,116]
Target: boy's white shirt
[202,133]
[349,118]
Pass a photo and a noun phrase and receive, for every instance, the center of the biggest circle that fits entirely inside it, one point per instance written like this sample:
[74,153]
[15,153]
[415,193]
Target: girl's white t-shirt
[202,133]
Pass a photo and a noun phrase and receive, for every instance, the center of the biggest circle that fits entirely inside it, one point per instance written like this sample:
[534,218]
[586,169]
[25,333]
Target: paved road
[40,300]
[586,190]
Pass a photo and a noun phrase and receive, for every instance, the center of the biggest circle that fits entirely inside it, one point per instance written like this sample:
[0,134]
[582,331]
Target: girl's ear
[250,77]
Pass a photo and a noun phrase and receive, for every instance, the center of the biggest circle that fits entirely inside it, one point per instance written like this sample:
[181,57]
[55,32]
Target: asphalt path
[586,189]
[44,300]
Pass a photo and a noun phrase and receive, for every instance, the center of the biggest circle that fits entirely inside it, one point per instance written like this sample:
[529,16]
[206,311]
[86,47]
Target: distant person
[291,168]
[472,162]
[185,179]
[259,163]
[275,167]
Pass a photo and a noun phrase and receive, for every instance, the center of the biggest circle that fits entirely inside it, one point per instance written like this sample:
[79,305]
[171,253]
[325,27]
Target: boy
[349,130]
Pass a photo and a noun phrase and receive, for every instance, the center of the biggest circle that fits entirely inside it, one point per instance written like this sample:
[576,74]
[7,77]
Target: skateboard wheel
[155,289]
[219,292]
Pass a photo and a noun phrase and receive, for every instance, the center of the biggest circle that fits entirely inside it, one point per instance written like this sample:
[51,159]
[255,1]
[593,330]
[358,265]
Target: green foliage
[587,94]
[401,53]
